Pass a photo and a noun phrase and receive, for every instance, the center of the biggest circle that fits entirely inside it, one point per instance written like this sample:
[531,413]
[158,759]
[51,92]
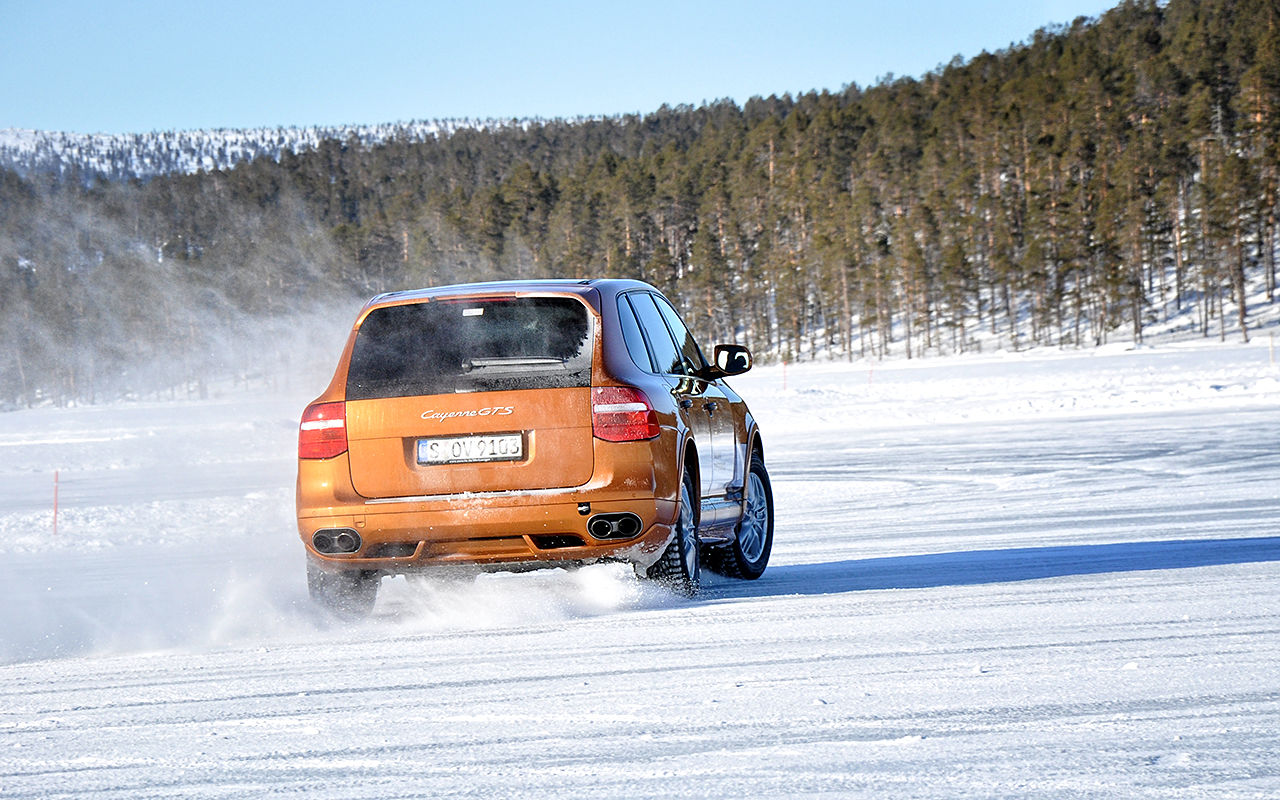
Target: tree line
[145,155]
[1102,177]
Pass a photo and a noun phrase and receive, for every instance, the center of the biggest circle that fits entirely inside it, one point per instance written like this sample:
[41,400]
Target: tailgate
[473,436]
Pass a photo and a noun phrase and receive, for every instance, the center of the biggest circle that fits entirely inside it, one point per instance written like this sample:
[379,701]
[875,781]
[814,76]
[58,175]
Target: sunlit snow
[1053,574]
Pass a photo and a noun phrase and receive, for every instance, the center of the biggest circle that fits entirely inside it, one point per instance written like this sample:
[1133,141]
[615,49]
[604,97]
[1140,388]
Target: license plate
[471,449]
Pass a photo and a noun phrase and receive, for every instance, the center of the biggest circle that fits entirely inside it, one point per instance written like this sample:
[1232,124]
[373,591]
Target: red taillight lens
[622,414]
[323,433]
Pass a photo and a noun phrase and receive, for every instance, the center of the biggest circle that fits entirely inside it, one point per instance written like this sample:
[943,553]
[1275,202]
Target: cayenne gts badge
[492,411]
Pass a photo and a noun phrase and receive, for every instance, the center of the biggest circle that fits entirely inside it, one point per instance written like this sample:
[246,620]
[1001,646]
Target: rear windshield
[486,345]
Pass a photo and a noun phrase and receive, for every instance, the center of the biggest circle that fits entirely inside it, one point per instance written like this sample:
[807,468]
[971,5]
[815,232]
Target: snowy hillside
[143,155]
[1050,574]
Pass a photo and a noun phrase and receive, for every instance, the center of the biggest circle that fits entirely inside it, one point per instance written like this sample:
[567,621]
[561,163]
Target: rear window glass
[688,346]
[665,355]
[449,346]
[631,335]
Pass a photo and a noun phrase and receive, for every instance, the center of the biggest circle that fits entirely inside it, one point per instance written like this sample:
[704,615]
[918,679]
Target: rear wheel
[748,554]
[347,593]
[679,569]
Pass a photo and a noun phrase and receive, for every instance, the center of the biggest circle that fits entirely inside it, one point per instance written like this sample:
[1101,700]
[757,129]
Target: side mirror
[732,359]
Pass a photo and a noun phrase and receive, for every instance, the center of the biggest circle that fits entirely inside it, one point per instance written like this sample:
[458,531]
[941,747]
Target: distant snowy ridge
[120,156]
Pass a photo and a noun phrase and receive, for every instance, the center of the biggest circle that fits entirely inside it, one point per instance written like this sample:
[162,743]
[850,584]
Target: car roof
[607,286]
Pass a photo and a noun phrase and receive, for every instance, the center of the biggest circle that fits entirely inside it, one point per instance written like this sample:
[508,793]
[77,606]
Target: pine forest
[1099,178]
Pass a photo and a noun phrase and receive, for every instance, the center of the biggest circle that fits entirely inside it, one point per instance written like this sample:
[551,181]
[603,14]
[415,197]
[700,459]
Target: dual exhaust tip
[344,541]
[614,526]
[335,541]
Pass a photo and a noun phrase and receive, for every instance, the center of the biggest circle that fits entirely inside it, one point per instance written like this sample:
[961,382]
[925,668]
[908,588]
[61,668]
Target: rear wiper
[528,362]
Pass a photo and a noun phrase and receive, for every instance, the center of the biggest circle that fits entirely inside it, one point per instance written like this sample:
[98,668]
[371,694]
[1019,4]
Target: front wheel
[347,593]
[679,569]
[748,554]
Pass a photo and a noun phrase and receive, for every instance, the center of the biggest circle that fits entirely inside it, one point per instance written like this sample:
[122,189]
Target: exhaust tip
[600,528]
[335,541]
[628,525]
[615,526]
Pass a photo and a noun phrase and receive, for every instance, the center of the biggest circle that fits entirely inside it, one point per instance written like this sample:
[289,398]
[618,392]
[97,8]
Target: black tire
[680,568]
[347,593]
[748,555]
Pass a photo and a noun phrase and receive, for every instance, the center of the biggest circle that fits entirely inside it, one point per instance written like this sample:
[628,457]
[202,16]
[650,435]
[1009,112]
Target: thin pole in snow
[55,502]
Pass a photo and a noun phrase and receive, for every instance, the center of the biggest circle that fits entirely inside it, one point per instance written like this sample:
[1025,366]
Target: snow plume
[176,532]
[100,299]
[192,598]
[443,603]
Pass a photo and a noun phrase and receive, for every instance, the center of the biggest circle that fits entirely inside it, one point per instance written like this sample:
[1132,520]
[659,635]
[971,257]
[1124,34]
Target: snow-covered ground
[1053,574]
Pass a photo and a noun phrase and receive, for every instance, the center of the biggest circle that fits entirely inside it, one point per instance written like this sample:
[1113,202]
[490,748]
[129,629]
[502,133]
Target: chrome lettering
[491,411]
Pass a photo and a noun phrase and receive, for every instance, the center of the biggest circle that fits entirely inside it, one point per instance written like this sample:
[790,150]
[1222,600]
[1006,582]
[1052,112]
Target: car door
[715,403]
[690,392]
[704,403]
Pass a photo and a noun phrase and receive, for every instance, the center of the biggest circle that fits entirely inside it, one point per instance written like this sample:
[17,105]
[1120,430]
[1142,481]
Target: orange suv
[525,424]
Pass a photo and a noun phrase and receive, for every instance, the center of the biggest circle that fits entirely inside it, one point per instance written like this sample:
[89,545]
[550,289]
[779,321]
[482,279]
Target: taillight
[323,433]
[622,414]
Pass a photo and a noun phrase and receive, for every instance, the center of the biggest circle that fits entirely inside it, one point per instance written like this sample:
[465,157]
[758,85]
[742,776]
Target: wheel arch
[689,466]
[755,446]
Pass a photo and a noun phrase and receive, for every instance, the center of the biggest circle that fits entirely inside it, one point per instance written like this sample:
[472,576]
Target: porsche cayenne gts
[523,424]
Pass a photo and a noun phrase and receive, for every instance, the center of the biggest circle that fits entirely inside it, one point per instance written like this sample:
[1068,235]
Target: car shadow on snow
[973,567]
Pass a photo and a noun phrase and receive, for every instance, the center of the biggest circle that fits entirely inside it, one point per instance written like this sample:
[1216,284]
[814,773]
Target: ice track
[1050,575]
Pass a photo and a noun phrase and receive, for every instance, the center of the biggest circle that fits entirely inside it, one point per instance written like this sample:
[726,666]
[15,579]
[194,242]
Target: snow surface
[1053,574]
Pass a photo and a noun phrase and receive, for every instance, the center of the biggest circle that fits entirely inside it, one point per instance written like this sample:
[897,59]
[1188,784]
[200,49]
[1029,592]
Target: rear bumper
[480,530]
[533,528]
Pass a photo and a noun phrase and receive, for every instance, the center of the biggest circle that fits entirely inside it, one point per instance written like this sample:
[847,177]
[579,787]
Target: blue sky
[120,66]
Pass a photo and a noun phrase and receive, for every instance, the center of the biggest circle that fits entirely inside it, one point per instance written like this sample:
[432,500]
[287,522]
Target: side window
[666,356]
[688,345]
[632,337]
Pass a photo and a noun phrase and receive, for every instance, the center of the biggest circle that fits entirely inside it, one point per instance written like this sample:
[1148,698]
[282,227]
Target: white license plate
[471,449]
